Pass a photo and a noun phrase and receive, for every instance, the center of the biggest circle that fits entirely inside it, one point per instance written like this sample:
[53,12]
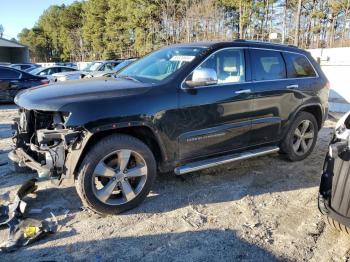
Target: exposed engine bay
[42,142]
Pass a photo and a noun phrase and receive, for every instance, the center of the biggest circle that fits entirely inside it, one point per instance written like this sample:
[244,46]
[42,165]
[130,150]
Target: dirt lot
[261,209]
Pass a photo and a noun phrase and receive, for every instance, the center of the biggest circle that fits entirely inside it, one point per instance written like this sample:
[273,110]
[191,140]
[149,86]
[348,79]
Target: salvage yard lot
[262,209]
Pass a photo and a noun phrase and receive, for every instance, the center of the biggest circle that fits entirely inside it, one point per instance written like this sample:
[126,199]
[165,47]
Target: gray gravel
[262,209]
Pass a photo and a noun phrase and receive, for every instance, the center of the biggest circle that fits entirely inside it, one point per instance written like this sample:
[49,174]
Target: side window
[66,69]
[9,74]
[108,67]
[298,66]
[267,65]
[229,65]
[44,72]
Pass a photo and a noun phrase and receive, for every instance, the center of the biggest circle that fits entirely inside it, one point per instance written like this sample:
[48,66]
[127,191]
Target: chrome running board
[199,165]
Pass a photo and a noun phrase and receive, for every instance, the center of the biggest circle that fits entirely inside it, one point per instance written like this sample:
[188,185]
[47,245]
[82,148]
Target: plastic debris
[21,230]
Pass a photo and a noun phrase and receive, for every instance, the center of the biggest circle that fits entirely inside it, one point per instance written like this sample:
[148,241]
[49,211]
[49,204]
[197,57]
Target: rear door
[276,96]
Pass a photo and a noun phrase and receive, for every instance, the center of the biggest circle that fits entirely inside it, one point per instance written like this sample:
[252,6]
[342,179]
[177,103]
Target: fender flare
[74,157]
[299,109]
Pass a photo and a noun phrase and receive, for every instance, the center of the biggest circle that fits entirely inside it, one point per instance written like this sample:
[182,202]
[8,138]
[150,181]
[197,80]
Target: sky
[18,14]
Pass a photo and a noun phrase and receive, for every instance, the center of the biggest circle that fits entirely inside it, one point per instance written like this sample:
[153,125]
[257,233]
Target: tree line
[110,29]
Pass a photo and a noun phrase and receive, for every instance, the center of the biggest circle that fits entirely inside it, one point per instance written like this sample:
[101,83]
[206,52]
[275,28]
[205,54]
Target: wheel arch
[316,111]
[140,131]
[313,108]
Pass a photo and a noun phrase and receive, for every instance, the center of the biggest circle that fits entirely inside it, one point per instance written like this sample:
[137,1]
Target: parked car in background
[12,81]
[50,71]
[182,108]
[334,193]
[91,69]
[25,67]
[99,68]
[68,64]
[119,67]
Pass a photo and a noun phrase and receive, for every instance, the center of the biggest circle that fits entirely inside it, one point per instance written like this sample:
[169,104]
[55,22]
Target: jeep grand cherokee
[182,108]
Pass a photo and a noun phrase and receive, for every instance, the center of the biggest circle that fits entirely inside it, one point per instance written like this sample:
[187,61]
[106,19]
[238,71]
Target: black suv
[182,108]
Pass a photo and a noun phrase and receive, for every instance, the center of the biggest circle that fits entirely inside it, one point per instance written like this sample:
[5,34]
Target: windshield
[92,66]
[161,64]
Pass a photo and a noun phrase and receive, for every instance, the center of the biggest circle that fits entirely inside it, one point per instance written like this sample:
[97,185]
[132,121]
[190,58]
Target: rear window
[298,66]
[9,74]
[267,65]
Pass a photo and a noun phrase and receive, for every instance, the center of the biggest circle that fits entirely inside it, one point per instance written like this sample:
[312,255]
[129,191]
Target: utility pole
[284,25]
[296,35]
[1,31]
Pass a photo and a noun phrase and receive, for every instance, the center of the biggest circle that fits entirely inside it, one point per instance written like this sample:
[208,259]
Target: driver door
[216,117]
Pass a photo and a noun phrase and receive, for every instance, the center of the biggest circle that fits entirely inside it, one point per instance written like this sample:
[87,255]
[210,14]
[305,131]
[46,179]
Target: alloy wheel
[303,137]
[119,177]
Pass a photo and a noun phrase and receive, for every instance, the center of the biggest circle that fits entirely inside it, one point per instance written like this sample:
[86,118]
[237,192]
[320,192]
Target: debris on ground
[22,230]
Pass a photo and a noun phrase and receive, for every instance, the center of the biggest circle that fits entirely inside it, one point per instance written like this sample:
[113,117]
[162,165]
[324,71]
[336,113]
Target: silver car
[49,72]
[92,69]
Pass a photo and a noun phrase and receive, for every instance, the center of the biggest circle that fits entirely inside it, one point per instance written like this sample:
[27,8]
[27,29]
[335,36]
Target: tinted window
[298,66]
[24,67]
[267,65]
[9,74]
[228,65]
[65,69]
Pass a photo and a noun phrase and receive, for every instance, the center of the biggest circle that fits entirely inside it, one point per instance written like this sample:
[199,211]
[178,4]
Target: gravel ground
[260,209]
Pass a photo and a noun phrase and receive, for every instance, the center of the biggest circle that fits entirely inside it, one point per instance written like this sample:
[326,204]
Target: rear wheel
[301,137]
[116,174]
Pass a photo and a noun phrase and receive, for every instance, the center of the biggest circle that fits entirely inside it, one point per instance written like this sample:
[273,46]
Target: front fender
[76,156]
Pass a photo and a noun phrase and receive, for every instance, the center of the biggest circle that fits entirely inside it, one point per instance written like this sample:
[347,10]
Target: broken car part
[21,230]
[334,192]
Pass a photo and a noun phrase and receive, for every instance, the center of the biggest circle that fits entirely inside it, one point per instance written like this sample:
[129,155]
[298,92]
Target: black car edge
[182,108]
[334,193]
[13,81]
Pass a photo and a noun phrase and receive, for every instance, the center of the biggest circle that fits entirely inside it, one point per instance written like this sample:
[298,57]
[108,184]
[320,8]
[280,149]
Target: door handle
[292,86]
[243,91]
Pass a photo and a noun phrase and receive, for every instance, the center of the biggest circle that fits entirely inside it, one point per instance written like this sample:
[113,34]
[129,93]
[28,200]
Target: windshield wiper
[128,77]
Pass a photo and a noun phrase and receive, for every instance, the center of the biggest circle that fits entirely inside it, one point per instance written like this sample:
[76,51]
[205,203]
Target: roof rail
[263,42]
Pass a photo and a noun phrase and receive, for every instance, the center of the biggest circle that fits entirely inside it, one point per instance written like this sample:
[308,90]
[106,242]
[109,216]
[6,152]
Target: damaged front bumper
[52,153]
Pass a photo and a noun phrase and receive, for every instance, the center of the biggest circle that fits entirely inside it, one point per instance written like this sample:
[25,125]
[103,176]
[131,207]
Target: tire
[110,154]
[337,226]
[291,140]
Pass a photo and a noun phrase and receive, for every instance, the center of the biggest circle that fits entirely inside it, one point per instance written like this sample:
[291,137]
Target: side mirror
[203,77]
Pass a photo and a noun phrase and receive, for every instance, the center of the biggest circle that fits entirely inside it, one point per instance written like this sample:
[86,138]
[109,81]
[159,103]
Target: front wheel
[116,174]
[301,137]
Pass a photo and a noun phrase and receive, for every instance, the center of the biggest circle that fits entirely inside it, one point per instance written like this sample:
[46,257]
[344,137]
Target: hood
[55,96]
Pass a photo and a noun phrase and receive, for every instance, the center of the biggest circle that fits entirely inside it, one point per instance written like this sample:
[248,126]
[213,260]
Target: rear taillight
[44,82]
